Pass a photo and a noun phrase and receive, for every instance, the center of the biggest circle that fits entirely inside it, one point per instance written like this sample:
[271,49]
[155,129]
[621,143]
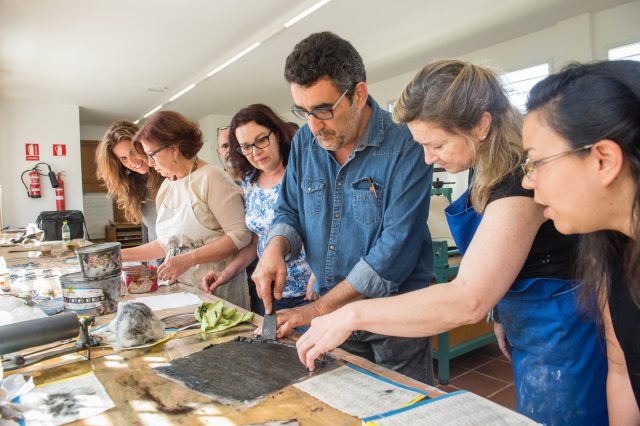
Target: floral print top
[260,207]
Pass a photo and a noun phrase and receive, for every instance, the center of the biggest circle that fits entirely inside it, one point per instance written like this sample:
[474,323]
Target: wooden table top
[143,397]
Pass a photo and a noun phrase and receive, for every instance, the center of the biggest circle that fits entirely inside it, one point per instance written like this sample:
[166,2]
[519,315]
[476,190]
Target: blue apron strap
[463,221]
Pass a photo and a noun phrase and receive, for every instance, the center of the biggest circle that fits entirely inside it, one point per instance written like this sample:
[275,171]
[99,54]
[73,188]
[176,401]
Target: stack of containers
[96,289]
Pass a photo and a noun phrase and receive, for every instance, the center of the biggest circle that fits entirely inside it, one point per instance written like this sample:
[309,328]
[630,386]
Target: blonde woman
[126,174]
[513,256]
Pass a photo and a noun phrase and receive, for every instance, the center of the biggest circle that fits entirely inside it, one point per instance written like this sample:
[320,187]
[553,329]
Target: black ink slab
[240,370]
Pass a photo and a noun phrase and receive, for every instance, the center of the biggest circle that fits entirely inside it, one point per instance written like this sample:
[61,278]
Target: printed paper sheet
[357,392]
[454,409]
[67,400]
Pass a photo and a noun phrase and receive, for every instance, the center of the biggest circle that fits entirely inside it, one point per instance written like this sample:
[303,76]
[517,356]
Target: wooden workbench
[143,397]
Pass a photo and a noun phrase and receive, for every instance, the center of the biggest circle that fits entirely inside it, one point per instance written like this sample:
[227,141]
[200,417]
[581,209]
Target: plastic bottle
[66,233]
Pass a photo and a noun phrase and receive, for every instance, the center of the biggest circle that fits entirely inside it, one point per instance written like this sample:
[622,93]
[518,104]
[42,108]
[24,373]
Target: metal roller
[37,332]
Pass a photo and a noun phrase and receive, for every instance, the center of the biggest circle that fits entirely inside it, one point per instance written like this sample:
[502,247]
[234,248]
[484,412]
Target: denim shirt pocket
[366,201]
[313,192]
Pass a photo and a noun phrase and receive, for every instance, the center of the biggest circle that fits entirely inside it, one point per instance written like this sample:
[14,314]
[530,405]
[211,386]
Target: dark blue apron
[559,363]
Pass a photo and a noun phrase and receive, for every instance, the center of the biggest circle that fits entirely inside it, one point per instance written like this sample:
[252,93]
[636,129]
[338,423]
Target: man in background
[225,156]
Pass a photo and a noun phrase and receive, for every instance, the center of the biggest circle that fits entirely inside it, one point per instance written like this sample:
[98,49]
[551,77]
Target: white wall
[583,38]
[92,133]
[45,124]
[209,126]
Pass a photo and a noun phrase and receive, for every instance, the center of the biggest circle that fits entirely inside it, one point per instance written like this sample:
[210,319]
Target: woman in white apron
[200,222]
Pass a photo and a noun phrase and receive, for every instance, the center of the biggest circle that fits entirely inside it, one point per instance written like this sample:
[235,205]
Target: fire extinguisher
[60,193]
[33,191]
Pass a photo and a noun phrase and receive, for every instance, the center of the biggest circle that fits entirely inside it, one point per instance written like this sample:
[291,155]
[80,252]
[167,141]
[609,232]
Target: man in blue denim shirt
[356,195]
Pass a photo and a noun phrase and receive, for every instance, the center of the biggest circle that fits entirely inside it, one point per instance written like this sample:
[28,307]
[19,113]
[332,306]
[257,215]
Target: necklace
[195,162]
[193,168]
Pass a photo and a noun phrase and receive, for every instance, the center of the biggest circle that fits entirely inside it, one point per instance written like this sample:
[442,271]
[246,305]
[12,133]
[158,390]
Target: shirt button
[332,247]
[339,184]
[337,215]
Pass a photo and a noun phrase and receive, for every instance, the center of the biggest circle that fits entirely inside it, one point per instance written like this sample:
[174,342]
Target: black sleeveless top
[625,316]
[552,254]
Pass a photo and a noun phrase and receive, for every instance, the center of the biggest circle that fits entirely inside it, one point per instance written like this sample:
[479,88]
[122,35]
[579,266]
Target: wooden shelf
[128,234]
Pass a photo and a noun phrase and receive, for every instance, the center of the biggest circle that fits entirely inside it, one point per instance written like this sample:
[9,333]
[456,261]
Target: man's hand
[310,294]
[173,267]
[327,332]
[288,319]
[271,271]
[213,280]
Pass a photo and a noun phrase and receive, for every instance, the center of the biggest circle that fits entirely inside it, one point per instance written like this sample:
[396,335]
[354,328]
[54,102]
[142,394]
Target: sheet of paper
[357,392]
[168,301]
[453,409]
[67,400]
[109,339]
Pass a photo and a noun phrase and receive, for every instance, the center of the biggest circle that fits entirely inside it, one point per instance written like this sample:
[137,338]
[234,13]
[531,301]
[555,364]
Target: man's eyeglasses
[151,155]
[322,113]
[260,143]
[220,130]
[529,166]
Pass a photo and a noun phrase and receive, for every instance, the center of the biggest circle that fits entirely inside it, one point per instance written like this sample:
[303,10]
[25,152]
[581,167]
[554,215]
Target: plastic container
[100,261]
[140,278]
[90,297]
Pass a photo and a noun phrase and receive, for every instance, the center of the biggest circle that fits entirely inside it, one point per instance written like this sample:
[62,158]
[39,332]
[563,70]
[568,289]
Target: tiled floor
[485,372]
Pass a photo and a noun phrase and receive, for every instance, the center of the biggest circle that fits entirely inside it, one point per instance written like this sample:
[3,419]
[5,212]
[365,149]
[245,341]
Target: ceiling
[122,58]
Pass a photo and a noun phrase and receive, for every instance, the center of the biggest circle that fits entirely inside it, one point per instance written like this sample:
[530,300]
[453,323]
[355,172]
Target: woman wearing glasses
[127,176]
[586,119]
[259,143]
[200,222]
[513,256]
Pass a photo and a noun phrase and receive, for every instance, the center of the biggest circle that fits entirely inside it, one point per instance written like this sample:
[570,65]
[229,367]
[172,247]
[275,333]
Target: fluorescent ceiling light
[182,92]
[136,122]
[235,58]
[306,12]
[152,111]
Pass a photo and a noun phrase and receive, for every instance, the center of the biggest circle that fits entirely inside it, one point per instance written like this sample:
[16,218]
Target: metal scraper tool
[269,323]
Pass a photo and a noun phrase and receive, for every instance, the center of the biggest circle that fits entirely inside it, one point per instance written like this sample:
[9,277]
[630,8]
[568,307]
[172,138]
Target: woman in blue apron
[586,120]
[557,358]
[513,256]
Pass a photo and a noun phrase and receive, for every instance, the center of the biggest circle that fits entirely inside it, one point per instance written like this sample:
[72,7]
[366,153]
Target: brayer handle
[41,331]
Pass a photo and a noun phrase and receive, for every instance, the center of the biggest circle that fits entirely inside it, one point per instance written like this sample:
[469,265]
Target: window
[630,52]
[520,82]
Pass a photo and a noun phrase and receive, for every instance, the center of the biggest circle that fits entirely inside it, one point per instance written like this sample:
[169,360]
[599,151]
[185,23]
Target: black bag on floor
[51,224]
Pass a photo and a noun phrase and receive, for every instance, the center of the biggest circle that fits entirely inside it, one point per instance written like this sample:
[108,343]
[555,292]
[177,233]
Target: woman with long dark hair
[582,137]
[260,142]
